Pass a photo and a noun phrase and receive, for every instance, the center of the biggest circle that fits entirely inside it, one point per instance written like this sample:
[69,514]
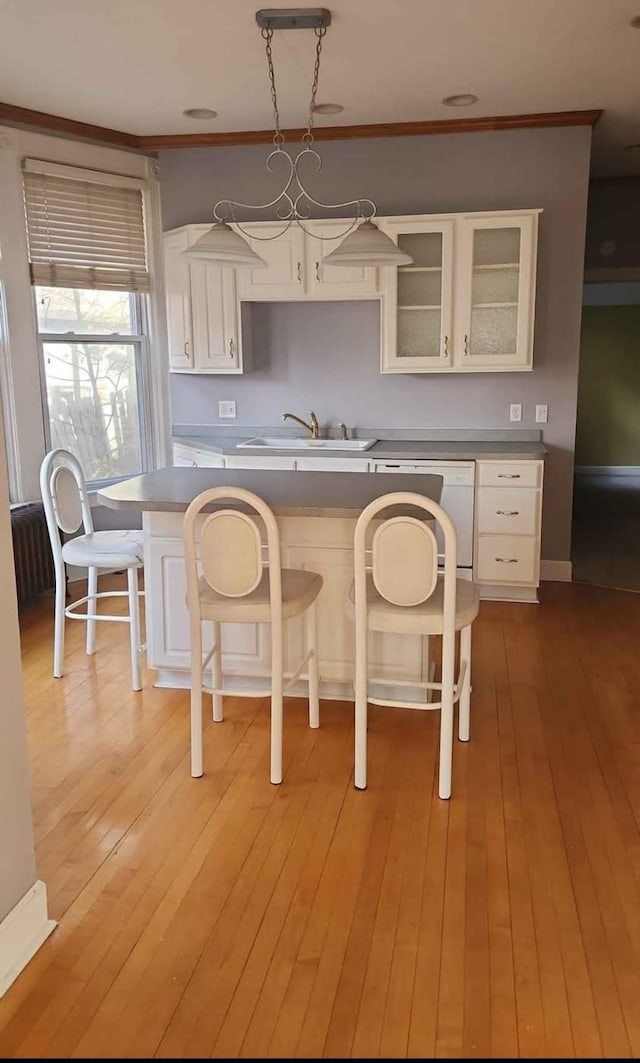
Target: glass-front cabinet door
[495,284]
[417,303]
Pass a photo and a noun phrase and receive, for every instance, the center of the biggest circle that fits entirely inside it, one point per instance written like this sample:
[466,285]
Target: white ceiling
[135,65]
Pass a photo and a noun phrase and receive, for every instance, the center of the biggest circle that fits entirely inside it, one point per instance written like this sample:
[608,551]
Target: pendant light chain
[267,34]
[308,136]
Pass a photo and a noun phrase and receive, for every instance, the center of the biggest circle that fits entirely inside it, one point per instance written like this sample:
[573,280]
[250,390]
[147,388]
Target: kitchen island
[316,514]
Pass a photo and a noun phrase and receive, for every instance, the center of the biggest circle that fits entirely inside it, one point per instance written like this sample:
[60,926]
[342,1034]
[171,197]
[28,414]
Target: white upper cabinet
[466,304]
[334,282]
[215,319]
[284,252]
[417,308]
[178,289]
[295,267]
[203,314]
[496,292]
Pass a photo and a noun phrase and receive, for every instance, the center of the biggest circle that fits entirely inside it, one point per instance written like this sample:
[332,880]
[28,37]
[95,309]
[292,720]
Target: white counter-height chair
[67,509]
[397,587]
[236,587]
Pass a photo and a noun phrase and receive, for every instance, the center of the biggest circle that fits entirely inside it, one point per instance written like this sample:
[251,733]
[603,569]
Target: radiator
[35,573]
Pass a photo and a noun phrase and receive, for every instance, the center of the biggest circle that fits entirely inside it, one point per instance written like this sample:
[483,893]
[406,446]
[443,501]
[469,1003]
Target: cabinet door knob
[299,272]
[317,273]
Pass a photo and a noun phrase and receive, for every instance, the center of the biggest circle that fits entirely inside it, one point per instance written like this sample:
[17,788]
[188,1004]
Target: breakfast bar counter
[316,514]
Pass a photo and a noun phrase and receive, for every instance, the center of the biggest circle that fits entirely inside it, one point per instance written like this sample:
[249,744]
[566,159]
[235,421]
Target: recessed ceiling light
[635,22]
[460,99]
[200,112]
[327,108]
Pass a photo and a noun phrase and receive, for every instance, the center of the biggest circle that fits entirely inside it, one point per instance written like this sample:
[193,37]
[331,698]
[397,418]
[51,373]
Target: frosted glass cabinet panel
[495,292]
[417,304]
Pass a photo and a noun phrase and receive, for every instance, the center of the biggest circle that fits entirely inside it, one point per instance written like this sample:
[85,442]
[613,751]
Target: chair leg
[312,646]
[58,630]
[464,710]
[216,670]
[446,717]
[134,627]
[196,700]
[92,607]
[276,703]
[360,773]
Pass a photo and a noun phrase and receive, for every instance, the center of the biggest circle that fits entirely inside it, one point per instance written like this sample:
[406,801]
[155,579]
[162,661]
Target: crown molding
[385,129]
[51,123]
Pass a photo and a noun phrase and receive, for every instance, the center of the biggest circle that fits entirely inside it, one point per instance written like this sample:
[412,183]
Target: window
[87,253]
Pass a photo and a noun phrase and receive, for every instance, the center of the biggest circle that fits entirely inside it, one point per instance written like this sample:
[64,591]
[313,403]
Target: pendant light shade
[367,246]
[222,245]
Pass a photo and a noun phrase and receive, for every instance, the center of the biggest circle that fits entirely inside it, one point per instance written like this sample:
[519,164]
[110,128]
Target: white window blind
[85,230]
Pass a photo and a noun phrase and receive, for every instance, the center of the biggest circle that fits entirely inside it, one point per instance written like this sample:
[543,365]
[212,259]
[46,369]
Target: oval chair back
[65,499]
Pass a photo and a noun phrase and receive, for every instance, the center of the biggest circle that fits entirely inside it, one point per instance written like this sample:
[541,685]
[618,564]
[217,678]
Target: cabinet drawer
[506,559]
[509,473]
[507,510]
[233,461]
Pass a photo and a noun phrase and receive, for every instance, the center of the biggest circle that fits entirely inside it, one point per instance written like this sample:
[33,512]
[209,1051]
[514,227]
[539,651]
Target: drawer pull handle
[231,348]
[466,345]
[317,273]
[509,476]
[446,347]
[508,512]
[299,272]
[507,560]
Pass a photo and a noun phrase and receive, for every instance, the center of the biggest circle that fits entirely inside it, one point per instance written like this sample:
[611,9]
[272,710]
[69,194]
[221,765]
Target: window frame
[139,340]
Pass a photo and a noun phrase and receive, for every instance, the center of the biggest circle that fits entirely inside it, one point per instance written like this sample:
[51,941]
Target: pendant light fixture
[363,244]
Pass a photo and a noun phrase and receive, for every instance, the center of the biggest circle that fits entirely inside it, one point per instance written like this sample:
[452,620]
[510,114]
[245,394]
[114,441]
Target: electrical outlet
[515,411]
[227,408]
[542,413]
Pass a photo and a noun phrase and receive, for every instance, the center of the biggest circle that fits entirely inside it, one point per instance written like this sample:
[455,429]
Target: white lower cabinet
[508,522]
[185,455]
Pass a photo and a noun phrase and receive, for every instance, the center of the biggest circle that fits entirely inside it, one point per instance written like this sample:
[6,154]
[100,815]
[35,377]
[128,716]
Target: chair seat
[299,590]
[423,619]
[121,548]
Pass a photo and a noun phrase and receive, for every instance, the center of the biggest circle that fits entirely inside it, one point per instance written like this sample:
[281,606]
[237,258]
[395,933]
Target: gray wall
[17,861]
[327,356]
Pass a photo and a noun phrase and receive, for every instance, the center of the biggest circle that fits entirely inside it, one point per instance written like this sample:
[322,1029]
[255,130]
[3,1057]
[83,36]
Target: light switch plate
[227,408]
[542,413]
[515,411]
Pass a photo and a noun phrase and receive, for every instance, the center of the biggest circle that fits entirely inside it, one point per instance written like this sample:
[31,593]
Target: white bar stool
[66,506]
[236,588]
[397,587]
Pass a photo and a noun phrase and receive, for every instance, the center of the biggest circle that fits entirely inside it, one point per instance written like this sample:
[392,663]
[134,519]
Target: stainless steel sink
[304,443]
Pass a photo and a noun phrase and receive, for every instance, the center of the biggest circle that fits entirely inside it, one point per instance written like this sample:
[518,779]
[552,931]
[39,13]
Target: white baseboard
[556,571]
[608,470]
[22,932]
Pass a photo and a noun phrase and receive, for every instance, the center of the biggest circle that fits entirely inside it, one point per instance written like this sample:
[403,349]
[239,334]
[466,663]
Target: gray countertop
[296,494]
[388,449]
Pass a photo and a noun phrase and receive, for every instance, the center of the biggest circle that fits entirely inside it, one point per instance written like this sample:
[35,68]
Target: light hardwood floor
[227,917]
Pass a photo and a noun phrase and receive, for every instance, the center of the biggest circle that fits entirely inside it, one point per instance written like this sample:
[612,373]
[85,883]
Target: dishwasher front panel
[457,497]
